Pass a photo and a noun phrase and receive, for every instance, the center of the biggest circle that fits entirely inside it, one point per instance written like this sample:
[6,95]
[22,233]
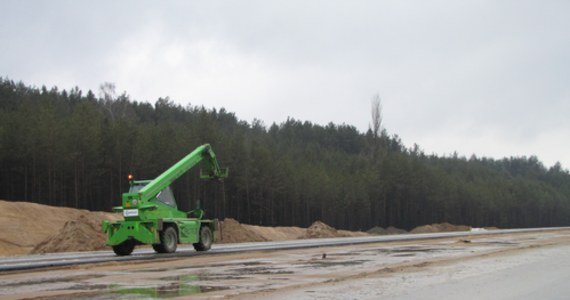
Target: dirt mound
[82,234]
[381,231]
[29,227]
[25,225]
[377,230]
[320,230]
[278,233]
[395,230]
[233,231]
[348,233]
[440,227]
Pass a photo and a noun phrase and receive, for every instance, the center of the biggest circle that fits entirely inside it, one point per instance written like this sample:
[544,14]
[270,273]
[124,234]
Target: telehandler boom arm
[203,152]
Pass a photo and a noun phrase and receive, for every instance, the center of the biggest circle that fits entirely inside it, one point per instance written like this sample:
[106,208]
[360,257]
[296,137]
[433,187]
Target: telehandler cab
[151,215]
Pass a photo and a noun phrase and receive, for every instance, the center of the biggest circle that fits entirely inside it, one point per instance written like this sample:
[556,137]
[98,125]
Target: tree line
[75,149]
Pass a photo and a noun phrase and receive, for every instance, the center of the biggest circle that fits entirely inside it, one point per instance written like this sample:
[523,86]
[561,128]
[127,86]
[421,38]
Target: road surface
[538,271]
[28,262]
[526,265]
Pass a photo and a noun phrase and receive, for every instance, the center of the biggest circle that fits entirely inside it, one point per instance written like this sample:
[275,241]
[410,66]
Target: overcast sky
[490,78]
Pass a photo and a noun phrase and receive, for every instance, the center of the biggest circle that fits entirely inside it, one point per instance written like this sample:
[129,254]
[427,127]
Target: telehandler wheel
[168,241]
[125,248]
[206,239]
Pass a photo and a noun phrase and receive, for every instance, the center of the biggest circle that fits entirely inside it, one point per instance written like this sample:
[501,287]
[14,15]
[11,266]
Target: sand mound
[277,233]
[29,227]
[233,231]
[25,225]
[394,230]
[348,233]
[321,230]
[381,231]
[83,234]
[377,230]
[440,227]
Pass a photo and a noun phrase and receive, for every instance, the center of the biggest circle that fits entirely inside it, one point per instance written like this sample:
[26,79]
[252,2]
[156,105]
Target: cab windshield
[165,196]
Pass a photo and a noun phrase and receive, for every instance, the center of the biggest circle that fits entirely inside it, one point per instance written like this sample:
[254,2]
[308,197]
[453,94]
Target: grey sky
[484,77]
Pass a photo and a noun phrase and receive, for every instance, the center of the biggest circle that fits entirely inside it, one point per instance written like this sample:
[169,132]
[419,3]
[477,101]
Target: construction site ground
[30,228]
[508,266]
[514,266]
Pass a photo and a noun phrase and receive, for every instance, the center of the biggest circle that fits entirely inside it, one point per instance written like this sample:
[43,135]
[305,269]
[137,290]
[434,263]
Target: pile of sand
[232,231]
[83,234]
[347,233]
[277,233]
[440,227]
[25,225]
[388,231]
[321,230]
[29,227]
[35,228]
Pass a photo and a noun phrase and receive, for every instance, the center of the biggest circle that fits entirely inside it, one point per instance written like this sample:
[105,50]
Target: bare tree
[376,125]
[107,91]
[107,95]
[116,105]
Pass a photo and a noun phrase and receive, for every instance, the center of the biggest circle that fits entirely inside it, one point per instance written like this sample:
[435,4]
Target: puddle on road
[53,280]
[182,285]
[259,271]
[151,270]
[214,277]
[331,263]
[190,268]
[160,270]
[404,255]
[495,243]
[167,291]
[416,249]
[344,254]
[409,251]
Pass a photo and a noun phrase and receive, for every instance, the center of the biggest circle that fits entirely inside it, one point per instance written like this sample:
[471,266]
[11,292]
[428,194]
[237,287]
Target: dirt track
[376,270]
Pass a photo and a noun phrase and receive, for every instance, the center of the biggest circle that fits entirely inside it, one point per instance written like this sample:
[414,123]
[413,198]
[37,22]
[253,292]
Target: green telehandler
[151,215]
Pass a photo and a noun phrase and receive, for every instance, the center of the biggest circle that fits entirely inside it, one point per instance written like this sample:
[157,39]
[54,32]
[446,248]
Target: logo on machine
[131,213]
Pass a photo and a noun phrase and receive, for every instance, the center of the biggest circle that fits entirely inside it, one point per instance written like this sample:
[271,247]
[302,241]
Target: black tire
[158,248]
[168,241]
[206,239]
[125,248]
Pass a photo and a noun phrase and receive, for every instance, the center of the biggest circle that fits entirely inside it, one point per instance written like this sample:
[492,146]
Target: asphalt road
[530,275]
[520,264]
[535,270]
[14,263]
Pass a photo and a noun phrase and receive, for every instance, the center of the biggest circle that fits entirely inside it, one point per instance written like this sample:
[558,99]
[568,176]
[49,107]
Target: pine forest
[75,149]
